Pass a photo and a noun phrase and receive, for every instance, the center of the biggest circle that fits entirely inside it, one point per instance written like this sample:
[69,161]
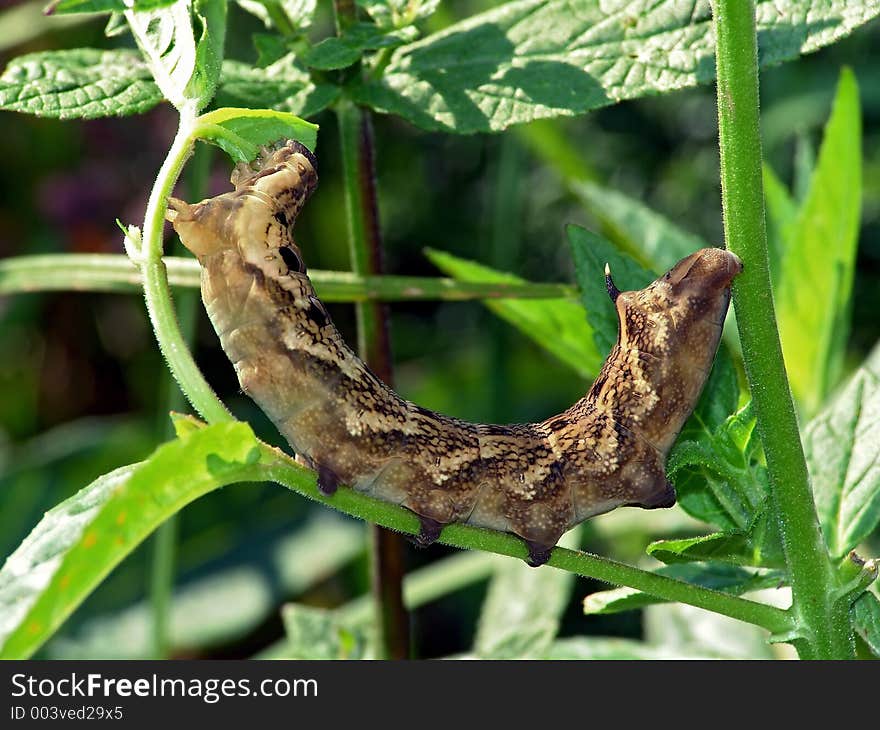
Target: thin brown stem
[387,554]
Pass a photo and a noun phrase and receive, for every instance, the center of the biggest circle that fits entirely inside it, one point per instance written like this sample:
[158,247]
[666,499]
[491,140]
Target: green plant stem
[100,272]
[157,291]
[162,569]
[278,467]
[163,559]
[374,345]
[823,628]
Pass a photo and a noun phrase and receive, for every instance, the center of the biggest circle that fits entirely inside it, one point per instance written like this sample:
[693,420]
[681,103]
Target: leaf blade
[840,445]
[533,59]
[559,326]
[79,541]
[818,263]
[83,83]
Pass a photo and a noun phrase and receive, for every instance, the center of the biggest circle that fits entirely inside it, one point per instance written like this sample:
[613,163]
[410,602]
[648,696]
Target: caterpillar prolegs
[536,480]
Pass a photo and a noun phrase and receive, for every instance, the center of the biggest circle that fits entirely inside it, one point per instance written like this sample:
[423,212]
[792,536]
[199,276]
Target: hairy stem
[157,291]
[365,246]
[103,272]
[164,556]
[278,467]
[823,629]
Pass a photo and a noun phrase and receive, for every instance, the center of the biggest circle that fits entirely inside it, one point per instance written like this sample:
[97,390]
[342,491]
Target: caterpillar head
[257,217]
[689,302]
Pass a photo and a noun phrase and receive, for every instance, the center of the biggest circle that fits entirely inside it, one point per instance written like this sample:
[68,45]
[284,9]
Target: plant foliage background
[529,141]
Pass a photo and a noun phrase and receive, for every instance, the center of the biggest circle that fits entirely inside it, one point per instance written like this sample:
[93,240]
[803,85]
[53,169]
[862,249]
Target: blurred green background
[83,388]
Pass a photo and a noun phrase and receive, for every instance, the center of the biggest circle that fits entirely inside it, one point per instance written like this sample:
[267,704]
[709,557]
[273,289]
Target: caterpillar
[534,480]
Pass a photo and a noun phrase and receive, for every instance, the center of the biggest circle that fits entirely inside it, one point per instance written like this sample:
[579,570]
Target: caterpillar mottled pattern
[536,480]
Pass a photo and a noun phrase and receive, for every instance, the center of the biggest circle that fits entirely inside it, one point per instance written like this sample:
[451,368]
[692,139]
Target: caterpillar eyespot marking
[535,480]
[292,259]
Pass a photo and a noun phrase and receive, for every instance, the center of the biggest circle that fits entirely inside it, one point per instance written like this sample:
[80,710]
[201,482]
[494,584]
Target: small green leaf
[726,578]
[82,539]
[844,462]
[522,610]
[641,231]
[183,46]
[754,547]
[342,51]
[316,633]
[185,425]
[782,212]
[83,83]
[558,325]
[116,26]
[679,630]
[866,620]
[282,86]
[816,274]
[591,252]
[533,59]
[241,132]
[270,48]
[331,53]
[717,470]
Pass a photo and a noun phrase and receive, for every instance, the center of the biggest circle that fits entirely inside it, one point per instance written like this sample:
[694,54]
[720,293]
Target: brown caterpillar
[535,480]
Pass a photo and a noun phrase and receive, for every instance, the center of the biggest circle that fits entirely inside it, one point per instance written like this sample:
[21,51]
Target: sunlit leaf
[82,539]
[558,325]
[817,267]
[521,614]
[533,59]
[841,446]
[82,83]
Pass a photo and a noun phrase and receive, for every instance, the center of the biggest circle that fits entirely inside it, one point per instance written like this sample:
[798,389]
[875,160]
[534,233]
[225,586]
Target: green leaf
[342,51]
[183,46]
[757,546]
[331,53]
[816,275]
[844,462]
[82,539]
[782,213]
[726,578]
[83,83]
[282,86]
[639,230]
[291,17]
[866,620]
[270,48]
[533,59]
[241,132]
[316,633]
[717,472]
[559,326]
[679,630]
[65,7]
[522,610]
[591,253]
[221,606]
